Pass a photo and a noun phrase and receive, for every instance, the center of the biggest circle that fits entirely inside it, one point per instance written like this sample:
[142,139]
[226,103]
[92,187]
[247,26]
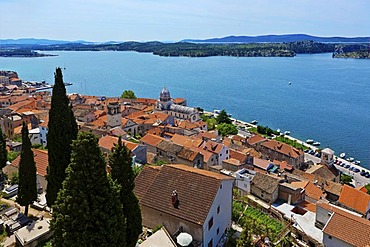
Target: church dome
[165,95]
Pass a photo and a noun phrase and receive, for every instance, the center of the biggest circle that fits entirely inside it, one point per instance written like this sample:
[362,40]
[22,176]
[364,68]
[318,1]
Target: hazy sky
[173,20]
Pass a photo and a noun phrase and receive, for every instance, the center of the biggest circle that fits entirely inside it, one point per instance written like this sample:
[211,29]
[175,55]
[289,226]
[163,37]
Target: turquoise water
[328,99]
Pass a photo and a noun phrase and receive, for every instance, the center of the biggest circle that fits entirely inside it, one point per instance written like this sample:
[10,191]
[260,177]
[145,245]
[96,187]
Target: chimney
[175,199]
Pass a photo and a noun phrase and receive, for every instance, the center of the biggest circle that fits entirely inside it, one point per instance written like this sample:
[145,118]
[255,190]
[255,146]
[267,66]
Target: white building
[38,136]
[243,181]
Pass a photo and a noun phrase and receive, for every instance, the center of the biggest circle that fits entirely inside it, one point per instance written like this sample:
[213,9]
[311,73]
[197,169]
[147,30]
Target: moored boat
[316,143]
[254,122]
[350,159]
[309,141]
[342,155]
[287,132]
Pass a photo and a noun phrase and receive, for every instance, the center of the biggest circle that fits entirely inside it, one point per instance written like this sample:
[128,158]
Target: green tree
[27,191]
[245,239]
[3,151]
[128,94]
[62,129]
[227,129]
[88,211]
[223,117]
[367,187]
[120,162]
[346,179]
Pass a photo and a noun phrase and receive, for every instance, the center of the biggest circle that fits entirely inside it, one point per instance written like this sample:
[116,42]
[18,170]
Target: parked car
[362,173]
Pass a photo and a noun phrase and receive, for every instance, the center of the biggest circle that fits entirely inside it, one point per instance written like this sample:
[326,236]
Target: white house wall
[221,220]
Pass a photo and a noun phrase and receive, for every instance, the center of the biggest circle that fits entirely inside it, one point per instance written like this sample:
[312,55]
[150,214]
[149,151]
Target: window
[227,151]
[220,155]
[218,209]
[210,243]
[218,231]
[210,223]
[220,186]
[330,237]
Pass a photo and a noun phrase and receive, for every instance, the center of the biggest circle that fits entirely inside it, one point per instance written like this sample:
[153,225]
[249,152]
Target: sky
[174,20]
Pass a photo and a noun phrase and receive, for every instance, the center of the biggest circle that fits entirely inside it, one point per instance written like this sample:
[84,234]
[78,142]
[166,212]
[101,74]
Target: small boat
[216,111]
[309,141]
[278,130]
[357,162]
[287,132]
[316,143]
[289,83]
[350,159]
[342,155]
[254,122]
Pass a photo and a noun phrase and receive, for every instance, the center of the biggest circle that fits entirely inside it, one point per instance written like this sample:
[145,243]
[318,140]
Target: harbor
[351,167]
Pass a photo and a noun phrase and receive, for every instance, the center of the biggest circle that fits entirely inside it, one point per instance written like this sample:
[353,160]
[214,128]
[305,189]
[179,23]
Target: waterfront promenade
[358,180]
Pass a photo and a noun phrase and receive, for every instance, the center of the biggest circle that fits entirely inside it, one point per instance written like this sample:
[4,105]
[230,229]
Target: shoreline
[358,180]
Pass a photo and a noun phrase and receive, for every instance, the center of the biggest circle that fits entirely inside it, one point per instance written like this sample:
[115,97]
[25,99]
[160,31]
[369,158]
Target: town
[201,178]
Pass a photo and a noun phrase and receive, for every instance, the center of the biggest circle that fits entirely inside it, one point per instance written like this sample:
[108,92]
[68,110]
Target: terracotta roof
[108,142]
[186,141]
[214,147]
[207,135]
[283,165]
[187,154]
[354,199]
[261,163]
[255,139]
[187,125]
[238,155]
[362,188]
[178,100]
[233,162]
[311,190]
[41,161]
[350,229]
[323,171]
[265,182]
[308,206]
[136,115]
[145,101]
[283,148]
[151,140]
[336,209]
[196,189]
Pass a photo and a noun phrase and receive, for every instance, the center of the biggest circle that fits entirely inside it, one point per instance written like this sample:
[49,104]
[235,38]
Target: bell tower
[114,115]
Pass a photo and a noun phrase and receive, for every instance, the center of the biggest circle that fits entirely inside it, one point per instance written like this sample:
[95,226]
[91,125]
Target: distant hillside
[32,41]
[279,39]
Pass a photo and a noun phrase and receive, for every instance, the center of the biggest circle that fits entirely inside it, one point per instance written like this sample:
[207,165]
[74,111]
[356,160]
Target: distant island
[22,53]
[236,46]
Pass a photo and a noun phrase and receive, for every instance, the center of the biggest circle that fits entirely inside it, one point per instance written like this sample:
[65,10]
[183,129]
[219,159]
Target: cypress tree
[3,151]
[62,129]
[88,211]
[120,162]
[27,191]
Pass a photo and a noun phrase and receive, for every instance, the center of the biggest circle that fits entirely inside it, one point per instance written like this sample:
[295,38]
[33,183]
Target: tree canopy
[128,94]
[223,117]
[88,211]
[120,162]
[62,129]
[27,191]
[3,151]
[227,129]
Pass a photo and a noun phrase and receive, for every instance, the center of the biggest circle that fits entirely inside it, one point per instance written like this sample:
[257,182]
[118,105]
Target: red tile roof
[151,140]
[354,199]
[350,229]
[108,142]
[255,139]
[196,189]
[283,148]
[311,190]
[41,161]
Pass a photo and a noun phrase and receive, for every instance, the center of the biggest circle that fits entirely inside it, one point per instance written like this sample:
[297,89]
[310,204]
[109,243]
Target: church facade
[165,104]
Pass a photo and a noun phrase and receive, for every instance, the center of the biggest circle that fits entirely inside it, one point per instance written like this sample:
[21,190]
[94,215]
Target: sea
[314,96]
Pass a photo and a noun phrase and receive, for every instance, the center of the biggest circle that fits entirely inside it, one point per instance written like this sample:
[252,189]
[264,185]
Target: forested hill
[201,50]
[280,39]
